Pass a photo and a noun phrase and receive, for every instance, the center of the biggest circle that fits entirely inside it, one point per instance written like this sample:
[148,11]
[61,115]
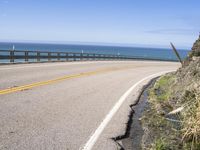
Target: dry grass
[191,123]
[186,102]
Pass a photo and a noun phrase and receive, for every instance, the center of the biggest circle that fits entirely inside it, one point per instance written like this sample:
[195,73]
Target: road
[61,105]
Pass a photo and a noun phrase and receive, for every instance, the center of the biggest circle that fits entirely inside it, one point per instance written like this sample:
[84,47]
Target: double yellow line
[41,83]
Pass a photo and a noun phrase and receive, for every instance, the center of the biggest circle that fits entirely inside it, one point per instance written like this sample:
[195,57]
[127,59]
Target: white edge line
[92,140]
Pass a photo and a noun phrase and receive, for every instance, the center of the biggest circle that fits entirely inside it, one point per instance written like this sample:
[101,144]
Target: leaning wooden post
[177,54]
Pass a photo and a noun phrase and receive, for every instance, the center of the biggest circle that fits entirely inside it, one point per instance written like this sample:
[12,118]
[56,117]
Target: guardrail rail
[21,56]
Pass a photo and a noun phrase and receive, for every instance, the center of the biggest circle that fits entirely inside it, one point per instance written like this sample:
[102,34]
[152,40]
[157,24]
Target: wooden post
[177,54]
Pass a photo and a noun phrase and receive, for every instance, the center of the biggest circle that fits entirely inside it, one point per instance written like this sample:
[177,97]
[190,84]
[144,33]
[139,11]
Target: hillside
[172,119]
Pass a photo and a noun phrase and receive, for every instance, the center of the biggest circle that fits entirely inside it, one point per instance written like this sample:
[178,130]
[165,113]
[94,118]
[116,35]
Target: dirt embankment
[172,120]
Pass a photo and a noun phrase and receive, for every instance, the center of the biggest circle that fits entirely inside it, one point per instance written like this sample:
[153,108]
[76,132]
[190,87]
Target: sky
[126,22]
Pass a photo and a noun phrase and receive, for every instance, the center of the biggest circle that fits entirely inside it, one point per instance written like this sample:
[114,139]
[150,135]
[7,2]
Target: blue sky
[126,22]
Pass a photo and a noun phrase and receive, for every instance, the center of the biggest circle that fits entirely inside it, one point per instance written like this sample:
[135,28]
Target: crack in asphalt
[118,139]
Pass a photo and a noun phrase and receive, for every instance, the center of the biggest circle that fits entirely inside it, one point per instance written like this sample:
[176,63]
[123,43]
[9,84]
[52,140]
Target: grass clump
[172,120]
[154,119]
[159,94]
[168,131]
[160,91]
[191,122]
[160,144]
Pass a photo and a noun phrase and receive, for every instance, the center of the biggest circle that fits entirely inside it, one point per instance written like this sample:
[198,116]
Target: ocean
[149,53]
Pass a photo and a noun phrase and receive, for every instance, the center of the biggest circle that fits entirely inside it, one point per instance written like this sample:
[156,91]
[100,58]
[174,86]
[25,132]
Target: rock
[196,48]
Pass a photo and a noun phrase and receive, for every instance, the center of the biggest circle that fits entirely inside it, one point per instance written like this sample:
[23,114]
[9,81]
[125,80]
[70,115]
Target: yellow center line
[41,83]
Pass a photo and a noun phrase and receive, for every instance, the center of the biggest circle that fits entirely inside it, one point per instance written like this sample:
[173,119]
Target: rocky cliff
[196,48]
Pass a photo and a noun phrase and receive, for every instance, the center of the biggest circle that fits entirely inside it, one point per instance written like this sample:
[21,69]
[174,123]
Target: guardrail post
[26,56]
[67,57]
[97,57]
[49,56]
[94,57]
[74,55]
[12,56]
[118,57]
[112,57]
[38,56]
[81,56]
[102,57]
[58,56]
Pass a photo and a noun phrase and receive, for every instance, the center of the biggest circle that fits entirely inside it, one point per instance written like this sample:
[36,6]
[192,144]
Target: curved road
[60,105]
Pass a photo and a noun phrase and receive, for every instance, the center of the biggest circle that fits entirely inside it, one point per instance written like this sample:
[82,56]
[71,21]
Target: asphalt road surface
[54,106]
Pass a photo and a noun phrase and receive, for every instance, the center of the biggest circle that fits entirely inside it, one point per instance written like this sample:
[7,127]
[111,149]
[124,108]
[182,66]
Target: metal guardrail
[40,56]
[13,56]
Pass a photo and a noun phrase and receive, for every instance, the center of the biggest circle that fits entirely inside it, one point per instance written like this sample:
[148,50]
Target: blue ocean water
[158,53]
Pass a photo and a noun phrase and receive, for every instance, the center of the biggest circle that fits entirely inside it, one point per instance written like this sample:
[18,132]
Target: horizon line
[95,44]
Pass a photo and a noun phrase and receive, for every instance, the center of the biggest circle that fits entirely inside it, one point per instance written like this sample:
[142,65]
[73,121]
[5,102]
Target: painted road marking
[42,83]
[93,138]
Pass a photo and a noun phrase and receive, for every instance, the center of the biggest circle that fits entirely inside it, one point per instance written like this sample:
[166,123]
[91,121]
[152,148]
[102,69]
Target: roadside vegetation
[171,121]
